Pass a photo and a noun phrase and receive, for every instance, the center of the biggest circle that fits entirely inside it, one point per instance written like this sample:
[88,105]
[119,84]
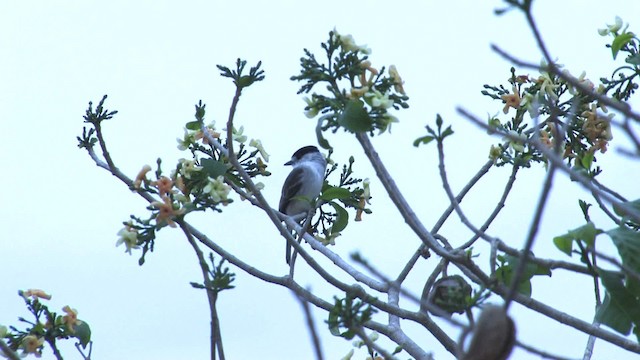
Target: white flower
[547,86]
[186,141]
[128,237]
[217,189]
[387,120]
[397,80]
[517,145]
[188,167]
[617,25]
[349,44]
[348,356]
[313,109]
[582,80]
[378,100]
[258,145]
[238,136]
[531,103]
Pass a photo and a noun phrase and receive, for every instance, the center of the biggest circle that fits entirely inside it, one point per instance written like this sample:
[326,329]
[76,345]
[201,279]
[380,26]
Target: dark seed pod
[494,335]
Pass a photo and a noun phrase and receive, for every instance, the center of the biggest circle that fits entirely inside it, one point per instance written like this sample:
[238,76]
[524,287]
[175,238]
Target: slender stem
[499,206]
[232,113]
[541,353]
[591,342]
[54,348]
[558,162]
[313,332]
[216,338]
[371,345]
[7,351]
[533,231]
[445,215]
[571,321]
[400,202]
[103,145]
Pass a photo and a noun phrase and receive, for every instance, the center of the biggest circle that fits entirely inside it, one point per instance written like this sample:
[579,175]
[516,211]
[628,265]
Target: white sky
[156,59]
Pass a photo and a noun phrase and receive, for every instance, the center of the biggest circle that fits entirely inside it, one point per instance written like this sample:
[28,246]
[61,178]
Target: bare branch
[315,339]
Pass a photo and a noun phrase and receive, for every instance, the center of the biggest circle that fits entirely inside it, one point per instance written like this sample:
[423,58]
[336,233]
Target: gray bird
[303,185]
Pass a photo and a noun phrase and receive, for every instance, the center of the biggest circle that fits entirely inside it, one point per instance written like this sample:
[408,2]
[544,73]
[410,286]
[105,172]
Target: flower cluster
[570,117]
[47,328]
[623,80]
[359,97]
[191,137]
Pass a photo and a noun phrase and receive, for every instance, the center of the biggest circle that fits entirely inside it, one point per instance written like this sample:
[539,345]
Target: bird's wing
[291,187]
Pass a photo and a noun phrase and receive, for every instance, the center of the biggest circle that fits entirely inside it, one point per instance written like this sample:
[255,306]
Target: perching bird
[303,184]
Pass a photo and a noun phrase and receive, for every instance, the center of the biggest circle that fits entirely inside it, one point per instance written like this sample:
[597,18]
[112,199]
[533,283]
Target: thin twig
[591,342]
[216,336]
[499,206]
[400,202]
[445,215]
[315,339]
[533,231]
[620,106]
[6,351]
[557,161]
[371,345]
[541,353]
[569,320]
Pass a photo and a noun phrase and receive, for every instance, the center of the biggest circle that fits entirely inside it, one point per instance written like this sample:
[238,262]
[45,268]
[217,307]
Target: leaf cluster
[348,316]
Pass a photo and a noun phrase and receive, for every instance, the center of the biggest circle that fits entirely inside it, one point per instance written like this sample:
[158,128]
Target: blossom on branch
[32,344]
[511,101]
[141,177]
[166,211]
[397,80]
[349,44]
[35,294]
[164,185]
[129,237]
[217,189]
[258,145]
[71,318]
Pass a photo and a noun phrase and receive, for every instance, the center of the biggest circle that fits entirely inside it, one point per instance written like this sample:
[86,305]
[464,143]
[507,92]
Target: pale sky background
[156,59]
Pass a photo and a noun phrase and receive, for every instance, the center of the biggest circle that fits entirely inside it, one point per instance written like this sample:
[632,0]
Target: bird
[303,184]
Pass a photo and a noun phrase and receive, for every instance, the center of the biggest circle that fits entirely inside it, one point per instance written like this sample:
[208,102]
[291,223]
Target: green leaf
[504,274]
[620,41]
[82,332]
[635,205]
[193,125]
[423,140]
[628,243]
[334,192]
[214,168]
[334,325]
[354,117]
[622,308]
[447,132]
[587,160]
[633,59]
[564,243]
[245,81]
[586,233]
[506,271]
[613,316]
[342,218]
[322,141]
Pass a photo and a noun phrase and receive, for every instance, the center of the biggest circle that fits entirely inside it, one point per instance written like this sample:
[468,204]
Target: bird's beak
[290,162]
